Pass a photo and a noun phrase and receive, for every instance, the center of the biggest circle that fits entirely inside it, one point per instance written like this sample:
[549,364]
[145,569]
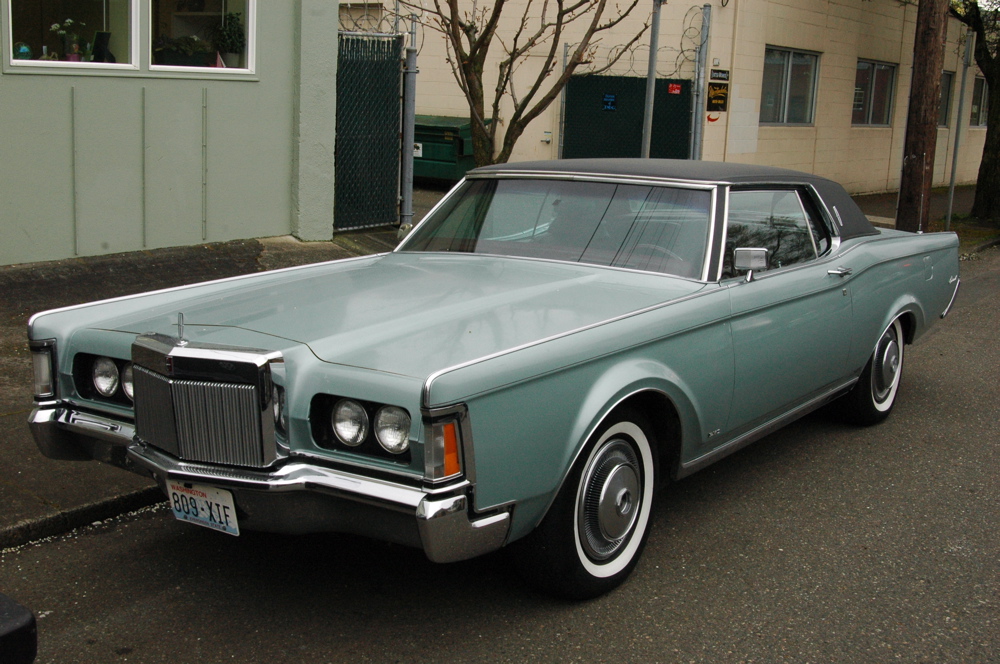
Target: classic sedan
[553,342]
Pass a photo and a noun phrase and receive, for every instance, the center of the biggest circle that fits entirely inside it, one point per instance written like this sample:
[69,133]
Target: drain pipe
[970,36]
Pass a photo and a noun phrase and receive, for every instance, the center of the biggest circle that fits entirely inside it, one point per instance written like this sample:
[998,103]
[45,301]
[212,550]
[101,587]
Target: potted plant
[230,38]
[67,33]
[186,51]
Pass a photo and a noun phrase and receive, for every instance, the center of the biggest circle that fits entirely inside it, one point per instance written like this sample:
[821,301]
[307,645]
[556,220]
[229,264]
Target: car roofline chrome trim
[778,421]
[583,176]
[428,383]
[120,298]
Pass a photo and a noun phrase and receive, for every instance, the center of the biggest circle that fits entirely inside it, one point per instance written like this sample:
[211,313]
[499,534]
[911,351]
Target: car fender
[614,387]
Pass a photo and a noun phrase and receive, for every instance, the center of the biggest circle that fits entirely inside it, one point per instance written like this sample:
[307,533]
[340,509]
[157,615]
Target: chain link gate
[368,125]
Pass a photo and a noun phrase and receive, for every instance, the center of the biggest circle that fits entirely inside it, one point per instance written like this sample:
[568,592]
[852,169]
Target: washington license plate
[204,506]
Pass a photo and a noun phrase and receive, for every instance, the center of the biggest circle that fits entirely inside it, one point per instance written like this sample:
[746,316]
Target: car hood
[409,314]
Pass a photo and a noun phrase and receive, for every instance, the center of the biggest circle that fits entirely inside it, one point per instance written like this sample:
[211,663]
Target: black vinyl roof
[851,222]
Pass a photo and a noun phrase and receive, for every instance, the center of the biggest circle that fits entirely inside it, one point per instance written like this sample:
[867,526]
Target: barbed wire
[671,61]
[378,20]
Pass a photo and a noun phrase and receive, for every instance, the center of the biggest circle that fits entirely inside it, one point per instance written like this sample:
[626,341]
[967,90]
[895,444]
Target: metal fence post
[647,114]
[699,83]
[409,119]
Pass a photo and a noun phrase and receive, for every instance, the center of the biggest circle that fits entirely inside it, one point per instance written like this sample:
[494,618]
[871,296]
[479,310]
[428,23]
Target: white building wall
[863,159]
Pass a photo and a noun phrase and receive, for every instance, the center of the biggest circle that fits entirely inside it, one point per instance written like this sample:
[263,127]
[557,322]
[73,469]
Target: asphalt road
[821,543]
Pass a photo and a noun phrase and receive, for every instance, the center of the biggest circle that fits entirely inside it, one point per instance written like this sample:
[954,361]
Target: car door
[790,322]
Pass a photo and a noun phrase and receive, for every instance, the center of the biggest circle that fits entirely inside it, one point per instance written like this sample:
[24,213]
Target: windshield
[659,229]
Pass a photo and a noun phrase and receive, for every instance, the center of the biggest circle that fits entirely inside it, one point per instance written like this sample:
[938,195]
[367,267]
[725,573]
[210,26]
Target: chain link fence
[368,117]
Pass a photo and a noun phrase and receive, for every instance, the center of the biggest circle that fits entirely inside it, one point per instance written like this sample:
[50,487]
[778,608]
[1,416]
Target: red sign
[673,88]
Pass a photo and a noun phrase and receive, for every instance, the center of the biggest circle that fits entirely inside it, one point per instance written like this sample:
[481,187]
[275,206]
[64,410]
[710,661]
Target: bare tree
[541,29]
[985,22]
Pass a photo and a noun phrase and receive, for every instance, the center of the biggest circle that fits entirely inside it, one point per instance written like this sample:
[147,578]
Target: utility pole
[922,117]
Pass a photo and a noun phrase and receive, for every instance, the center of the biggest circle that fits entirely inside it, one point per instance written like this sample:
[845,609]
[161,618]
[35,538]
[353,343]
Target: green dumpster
[445,147]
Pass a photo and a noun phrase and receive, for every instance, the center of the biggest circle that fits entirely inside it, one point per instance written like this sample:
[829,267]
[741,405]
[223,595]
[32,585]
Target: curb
[84,515]
[985,245]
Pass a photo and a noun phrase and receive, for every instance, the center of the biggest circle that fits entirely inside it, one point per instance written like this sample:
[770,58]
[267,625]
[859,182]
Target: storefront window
[200,33]
[88,32]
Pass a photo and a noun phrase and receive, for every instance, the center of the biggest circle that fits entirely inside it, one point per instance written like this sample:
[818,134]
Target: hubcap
[609,500]
[886,366]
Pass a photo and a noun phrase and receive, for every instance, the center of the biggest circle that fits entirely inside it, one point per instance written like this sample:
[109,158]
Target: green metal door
[368,116]
[604,117]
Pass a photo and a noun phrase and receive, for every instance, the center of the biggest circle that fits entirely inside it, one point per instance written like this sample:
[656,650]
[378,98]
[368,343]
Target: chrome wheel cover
[885,365]
[609,499]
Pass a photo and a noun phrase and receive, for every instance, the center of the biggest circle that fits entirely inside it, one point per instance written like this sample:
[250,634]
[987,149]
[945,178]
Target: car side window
[772,219]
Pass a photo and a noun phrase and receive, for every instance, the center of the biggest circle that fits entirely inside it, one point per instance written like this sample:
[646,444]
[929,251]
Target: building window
[200,33]
[944,109]
[78,33]
[980,103]
[873,85]
[789,88]
[201,36]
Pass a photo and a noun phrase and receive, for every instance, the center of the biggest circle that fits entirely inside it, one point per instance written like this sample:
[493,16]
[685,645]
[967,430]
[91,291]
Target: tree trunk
[987,203]
[922,117]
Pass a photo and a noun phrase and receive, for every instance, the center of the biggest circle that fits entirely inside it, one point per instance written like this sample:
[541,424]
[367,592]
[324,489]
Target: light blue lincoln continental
[551,344]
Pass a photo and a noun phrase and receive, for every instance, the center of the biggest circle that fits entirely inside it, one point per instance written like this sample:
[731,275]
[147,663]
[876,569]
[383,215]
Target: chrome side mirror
[403,231]
[747,260]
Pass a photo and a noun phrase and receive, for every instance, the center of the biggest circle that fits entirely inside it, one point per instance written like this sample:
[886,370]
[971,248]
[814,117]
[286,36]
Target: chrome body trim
[958,282]
[758,432]
[425,392]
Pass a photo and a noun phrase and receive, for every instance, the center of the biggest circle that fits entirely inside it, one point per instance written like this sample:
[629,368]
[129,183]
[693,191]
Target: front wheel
[871,399]
[595,531]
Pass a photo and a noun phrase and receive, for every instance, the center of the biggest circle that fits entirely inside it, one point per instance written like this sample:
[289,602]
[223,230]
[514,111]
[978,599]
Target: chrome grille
[204,421]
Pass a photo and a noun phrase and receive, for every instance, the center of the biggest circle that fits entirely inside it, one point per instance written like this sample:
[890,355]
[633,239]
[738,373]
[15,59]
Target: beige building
[815,85]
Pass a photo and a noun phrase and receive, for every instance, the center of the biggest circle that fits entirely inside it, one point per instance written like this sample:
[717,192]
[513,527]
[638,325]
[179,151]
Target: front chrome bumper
[295,496]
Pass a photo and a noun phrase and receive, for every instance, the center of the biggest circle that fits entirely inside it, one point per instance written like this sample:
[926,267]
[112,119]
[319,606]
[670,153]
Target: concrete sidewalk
[40,497]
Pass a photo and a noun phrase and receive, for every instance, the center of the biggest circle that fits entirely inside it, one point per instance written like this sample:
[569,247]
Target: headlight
[392,428]
[127,381]
[105,375]
[350,422]
[278,406]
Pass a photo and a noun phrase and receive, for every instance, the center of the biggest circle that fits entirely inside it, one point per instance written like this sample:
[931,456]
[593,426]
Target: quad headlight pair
[351,425]
[107,377]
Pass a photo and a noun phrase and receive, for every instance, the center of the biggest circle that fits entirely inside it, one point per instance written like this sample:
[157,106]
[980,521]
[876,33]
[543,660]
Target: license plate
[204,506]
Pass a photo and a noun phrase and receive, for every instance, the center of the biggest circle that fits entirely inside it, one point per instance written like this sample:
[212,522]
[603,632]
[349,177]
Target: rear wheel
[595,531]
[871,399]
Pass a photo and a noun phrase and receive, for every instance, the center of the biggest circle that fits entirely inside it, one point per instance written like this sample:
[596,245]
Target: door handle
[840,272]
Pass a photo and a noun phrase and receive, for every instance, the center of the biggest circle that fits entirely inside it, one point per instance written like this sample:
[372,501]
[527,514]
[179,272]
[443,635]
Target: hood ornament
[181,341]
